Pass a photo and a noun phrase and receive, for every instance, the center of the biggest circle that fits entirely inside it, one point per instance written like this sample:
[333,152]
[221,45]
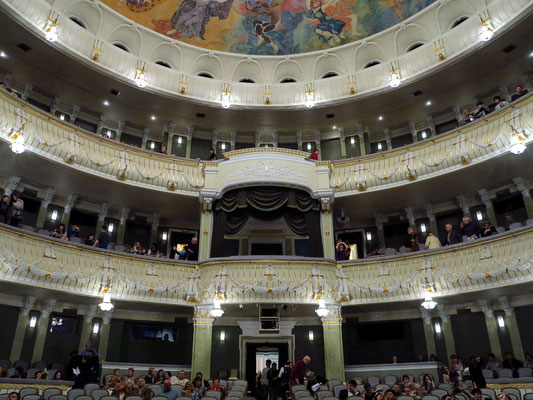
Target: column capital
[71,200]
[190,131]
[342,135]
[317,136]
[486,308]
[257,139]
[155,221]
[202,315]
[326,200]
[12,184]
[74,114]
[88,318]
[504,303]
[275,139]
[146,132]
[103,212]
[410,215]
[172,128]
[463,204]
[233,137]
[120,127]
[106,318]
[426,315]
[48,196]
[28,89]
[299,139]
[444,313]
[379,221]
[55,105]
[334,316]
[48,308]
[27,304]
[521,185]
[429,211]
[485,197]
[412,128]
[124,213]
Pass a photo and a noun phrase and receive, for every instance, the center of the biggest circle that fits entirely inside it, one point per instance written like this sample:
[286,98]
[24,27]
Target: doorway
[256,356]
[180,236]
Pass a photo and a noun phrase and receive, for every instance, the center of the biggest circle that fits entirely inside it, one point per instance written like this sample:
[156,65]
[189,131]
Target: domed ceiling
[267,27]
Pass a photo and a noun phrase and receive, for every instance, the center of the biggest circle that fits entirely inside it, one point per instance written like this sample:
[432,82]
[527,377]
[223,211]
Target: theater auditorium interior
[266,199]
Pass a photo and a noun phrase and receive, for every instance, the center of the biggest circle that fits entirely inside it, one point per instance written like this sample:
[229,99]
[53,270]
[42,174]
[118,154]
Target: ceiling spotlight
[428,103]
[334,126]
[530,54]
[152,117]
[380,118]
[106,103]
[424,134]
[106,304]
[3,55]
[322,311]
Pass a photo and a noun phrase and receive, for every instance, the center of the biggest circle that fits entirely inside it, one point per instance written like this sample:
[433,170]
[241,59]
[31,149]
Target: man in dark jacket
[453,235]
[470,228]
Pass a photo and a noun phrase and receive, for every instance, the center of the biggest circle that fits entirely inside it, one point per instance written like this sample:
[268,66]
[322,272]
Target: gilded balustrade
[501,260]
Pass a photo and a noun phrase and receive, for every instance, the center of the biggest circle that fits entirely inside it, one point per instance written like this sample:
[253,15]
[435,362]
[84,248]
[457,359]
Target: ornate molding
[71,200]
[506,307]
[103,212]
[124,213]
[202,315]
[486,308]
[444,313]
[88,318]
[48,308]
[521,185]
[48,197]
[334,316]
[12,184]
[108,315]
[426,315]
[28,303]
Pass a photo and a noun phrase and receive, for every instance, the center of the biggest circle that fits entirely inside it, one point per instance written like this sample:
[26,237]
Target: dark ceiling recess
[115,92]
[200,115]
[24,47]
[330,115]
[417,93]
[509,48]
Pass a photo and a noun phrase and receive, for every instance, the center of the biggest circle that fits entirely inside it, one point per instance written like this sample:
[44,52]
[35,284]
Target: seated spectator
[130,388]
[352,388]
[406,382]
[528,363]
[433,357]
[144,391]
[314,155]
[453,235]
[481,110]
[103,239]
[503,396]
[3,372]
[212,155]
[160,377]
[191,251]
[119,391]
[446,374]
[470,228]
[314,382]
[493,364]
[512,363]
[398,388]
[216,386]
[411,241]
[476,373]
[136,248]
[13,396]
[40,374]
[152,251]
[88,348]
[168,391]
[130,374]
[198,388]
[432,241]
[58,376]
[519,91]
[427,383]
[341,252]
[115,378]
[4,209]
[181,379]
[59,232]
[467,116]
[150,378]
[201,376]
[395,359]
[417,392]
[508,221]
[476,394]
[187,389]
[89,241]
[74,231]
[499,103]
[18,373]
[488,229]
[369,393]
[164,149]
[391,394]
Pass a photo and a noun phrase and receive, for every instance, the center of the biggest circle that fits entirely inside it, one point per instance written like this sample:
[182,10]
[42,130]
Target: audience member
[59,232]
[411,241]
[3,372]
[427,383]
[369,393]
[18,373]
[352,388]
[470,228]
[395,359]
[218,387]
[144,391]
[476,394]
[519,91]
[481,110]
[87,349]
[58,376]
[453,235]
[160,377]
[212,154]
[264,379]
[391,394]
[181,378]
[508,221]
[432,241]
[298,371]
[467,116]
[150,377]
[89,241]
[74,231]
[499,103]
[168,391]
[16,208]
[528,362]
[13,396]
[163,149]
[342,252]
[103,238]
[130,374]
[314,382]
[406,382]
[314,155]
[512,363]
[198,388]
[476,373]
[456,369]
[4,209]
[40,374]
[493,364]
[284,379]
[488,229]
[191,251]
[417,392]
[273,382]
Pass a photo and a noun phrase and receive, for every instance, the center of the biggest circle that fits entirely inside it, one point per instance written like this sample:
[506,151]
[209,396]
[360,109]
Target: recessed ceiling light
[3,55]
[334,126]
[106,103]
[531,54]
[428,103]
[380,118]
[153,117]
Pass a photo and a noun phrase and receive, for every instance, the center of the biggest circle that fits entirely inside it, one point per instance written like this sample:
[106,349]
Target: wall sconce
[225,96]
[180,139]
[110,227]
[223,146]
[165,236]
[424,134]
[369,236]
[96,328]
[98,48]
[54,215]
[438,329]
[62,117]
[440,50]
[309,146]
[152,145]
[311,336]
[183,83]
[423,228]
[479,215]
[222,336]
[395,78]
[17,145]
[352,140]
[380,146]
[352,85]
[33,321]
[267,94]
[309,95]
[501,321]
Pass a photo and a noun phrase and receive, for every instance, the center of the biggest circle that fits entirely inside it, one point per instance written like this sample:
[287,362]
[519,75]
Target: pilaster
[342,139]
[101,217]
[43,210]
[170,138]
[489,208]
[428,331]
[379,225]
[104,335]
[414,133]
[146,132]
[463,204]
[201,343]
[71,200]
[317,144]
[333,348]
[188,145]
[122,226]
[155,227]
[447,329]
[432,219]
[512,325]
[388,140]
[492,328]
[206,229]
[431,126]
[11,185]
[87,327]
[410,216]
[522,186]
[232,140]
[20,330]
[120,129]
[361,133]
[42,330]
[299,140]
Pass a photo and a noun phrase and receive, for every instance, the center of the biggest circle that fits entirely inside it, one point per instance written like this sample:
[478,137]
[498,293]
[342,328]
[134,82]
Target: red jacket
[298,371]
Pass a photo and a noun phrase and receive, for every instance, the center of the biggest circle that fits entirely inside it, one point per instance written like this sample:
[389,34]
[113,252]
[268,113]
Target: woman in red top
[314,155]
[216,386]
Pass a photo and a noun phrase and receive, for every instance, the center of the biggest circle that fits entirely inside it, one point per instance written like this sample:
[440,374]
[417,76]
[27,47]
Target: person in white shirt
[499,103]
[181,379]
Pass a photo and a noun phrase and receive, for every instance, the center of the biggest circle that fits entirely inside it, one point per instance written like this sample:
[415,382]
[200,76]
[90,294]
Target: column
[512,326]
[492,328]
[414,133]
[171,134]
[101,217]
[100,125]
[379,225]
[505,92]
[410,216]
[146,132]
[20,330]
[362,145]
[428,331]
[188,146]
[326,225]
[155,227]
[457,114]
[463,204]
[74,115]
[28,89]
[122,227]
[333,349]
[275,139]
[201,342]
[55,105]
[214,139]
[42,330]
[11,185]
[43,210]
[432,219]
[521,185]
[299,140]
[104,335]
[232,140]
[447,330]
[71,200]
[87,327]
[120,129]
[489,208]
[206,229]
[342,139]
[317,144]
[388,139]
[431,126]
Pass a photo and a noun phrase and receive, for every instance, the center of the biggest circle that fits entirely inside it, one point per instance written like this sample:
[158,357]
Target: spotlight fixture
[152,145]
[380,146]
[180,139]
[380,118]
[424,134]
[479,215]
[352,140]
[96,328]
[530,54]
[106,103]
[334,126]
[429,303]
[62,117]
[223,146]
[395,78]
[311,336]
[106,304]
[322,311]
[309,146]
[225,100]
[165,236]
[110,227]
[153,118]
[428,103]
[217,311]
[33,321]
[369,236]
[54,215]
[3,55]
[423,228]
[222,336]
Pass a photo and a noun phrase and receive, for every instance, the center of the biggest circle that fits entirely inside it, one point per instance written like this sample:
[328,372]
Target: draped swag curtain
[301,212]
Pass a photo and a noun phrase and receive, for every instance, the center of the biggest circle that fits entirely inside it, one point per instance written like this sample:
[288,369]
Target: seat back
[461,396]
[528,396]
[4,396]
[390,380]
[89,387]
[322,394]
[240,382]
[525,372]
[40,365]
[213,393]
[515,225]
[26,391]
[297,388]
[136,398]
[383,387]
[324,388]
[108,397]
[405,398]
[31,397]
[373,380]
[334,382]
[430,397]
[330,398]
[21,363]
[178,388]
[301,393]
[73,393]
[156,389]
[58,366]
[238,395]
[488,373]
[513,391]
[30,373]
[505,373]
[205,398]
[99,393]
[439,392]
[85,397]
[51,392]
[58,397]
[446,386]
[489,392]
[337,389]
[237,388]
[75,239]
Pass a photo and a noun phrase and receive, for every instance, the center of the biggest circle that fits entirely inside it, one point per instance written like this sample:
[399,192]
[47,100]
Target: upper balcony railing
[501,260]
[431,28]
[23,125]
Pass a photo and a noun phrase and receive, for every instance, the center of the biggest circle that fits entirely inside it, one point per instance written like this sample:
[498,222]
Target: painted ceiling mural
[267,27]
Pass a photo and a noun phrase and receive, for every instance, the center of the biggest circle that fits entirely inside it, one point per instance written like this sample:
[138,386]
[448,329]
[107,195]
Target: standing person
[264,380]
[411,241]
[191,253]
[273,382]
[4,209]
[314,155]
[15,212]
[284,380]
[512,363]
[298,371]
[453,235]
[432,241]
[470,228]
[103,238]
[212,154]
[476,373]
